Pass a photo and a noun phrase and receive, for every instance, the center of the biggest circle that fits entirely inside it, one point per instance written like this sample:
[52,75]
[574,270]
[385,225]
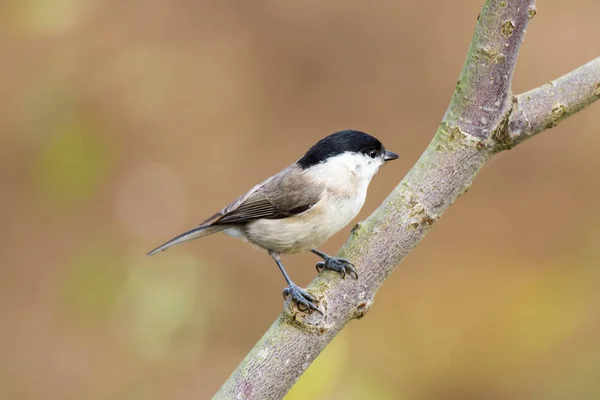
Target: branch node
[309,323]
[501,135]
[304,320]
[493,55]
[419,215]
[356,229]
[450,135]
[508,27]
[559,111]
[362,308]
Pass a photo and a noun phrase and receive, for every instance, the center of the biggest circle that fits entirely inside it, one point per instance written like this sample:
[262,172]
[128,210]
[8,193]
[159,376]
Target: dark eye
[373,153]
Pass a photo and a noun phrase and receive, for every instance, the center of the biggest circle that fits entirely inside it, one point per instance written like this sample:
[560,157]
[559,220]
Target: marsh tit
[301,207]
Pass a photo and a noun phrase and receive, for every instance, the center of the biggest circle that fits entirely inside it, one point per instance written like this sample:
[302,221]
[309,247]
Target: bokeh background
[125,122]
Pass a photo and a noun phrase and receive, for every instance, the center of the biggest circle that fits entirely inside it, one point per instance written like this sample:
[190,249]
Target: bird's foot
[301,297]
[340,265]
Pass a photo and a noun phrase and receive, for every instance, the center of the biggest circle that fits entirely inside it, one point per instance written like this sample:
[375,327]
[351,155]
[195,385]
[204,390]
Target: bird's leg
[299,295]
[340,265]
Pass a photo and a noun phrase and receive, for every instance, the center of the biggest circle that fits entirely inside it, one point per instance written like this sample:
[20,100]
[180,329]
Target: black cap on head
[340,142]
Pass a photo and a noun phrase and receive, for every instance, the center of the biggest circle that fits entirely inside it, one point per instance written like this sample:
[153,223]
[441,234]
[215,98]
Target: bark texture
[544,107]
[482,119]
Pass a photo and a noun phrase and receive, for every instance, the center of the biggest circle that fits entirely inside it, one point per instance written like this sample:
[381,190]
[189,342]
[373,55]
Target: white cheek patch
[344,171]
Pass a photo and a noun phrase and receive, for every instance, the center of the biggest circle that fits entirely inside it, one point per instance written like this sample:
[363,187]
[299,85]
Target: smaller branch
[544,107]
[482,98]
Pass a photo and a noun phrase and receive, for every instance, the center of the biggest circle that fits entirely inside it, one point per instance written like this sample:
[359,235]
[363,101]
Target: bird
[302,206]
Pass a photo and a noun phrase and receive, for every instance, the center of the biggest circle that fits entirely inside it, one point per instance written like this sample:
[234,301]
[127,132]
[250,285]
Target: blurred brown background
[124,123]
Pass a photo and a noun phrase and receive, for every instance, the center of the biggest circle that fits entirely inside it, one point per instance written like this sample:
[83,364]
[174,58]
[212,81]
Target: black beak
[390,155]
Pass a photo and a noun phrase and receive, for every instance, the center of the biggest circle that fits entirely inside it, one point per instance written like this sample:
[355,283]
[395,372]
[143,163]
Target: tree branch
[544,107]
[483,92]
[473,129]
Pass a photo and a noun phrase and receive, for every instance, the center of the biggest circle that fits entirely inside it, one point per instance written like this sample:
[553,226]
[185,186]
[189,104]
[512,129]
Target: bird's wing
[277,197]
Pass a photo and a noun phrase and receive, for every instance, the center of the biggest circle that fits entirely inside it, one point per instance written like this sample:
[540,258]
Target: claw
[340,265]
[301,297]
[320,266]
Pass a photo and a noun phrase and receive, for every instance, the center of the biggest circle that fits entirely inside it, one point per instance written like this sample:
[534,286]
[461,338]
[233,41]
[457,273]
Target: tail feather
[187,236]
